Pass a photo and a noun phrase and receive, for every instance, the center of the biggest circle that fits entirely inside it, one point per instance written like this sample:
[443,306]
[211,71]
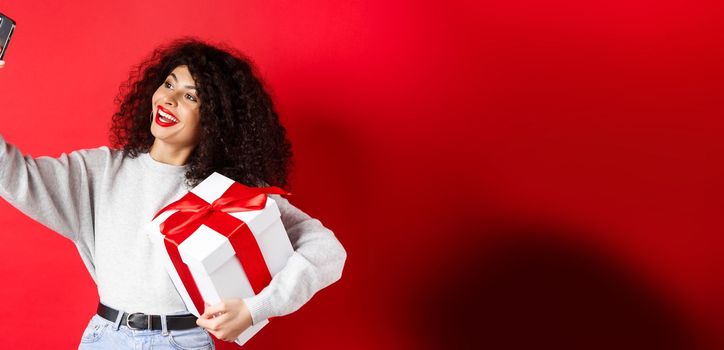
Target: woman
[189,110]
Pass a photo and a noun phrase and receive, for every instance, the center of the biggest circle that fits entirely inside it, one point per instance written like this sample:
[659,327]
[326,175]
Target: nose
[169,100]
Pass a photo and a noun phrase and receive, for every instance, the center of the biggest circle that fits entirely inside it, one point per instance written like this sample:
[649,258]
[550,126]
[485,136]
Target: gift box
[221,240]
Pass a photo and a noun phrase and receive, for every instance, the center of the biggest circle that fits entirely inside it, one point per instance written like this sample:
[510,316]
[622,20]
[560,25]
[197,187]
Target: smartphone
[7,27]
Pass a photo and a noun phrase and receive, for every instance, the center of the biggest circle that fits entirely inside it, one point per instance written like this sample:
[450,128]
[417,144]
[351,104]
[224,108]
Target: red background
[516,174]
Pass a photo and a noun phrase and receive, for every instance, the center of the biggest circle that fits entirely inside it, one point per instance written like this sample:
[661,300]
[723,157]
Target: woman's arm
[317,262]
[57,192]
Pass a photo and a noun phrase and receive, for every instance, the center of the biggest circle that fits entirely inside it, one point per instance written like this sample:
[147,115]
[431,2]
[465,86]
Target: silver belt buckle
[148,321]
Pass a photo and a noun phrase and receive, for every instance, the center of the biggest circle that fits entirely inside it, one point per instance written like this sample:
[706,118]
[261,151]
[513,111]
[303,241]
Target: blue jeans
[103,334]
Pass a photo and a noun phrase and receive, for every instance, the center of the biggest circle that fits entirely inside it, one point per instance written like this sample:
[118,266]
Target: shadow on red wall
[528,290]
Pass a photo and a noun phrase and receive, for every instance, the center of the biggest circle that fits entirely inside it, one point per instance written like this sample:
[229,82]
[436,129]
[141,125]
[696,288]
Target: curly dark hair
[241,136]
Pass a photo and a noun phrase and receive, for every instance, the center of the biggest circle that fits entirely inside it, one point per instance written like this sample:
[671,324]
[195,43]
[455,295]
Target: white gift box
[212,260]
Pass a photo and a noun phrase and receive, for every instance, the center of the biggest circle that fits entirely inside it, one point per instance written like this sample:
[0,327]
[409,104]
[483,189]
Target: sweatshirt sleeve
[57,192]
[316,263]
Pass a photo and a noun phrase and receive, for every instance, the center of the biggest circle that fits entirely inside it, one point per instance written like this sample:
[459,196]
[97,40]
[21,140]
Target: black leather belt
[141,321]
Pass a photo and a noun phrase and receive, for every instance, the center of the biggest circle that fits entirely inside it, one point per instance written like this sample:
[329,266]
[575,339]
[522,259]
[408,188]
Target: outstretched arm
[57,192]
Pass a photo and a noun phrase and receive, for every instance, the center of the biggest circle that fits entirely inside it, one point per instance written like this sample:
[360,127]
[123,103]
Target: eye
[190,97]
[167,84]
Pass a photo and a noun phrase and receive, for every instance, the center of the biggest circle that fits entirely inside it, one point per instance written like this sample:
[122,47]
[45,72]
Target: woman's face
[176,110]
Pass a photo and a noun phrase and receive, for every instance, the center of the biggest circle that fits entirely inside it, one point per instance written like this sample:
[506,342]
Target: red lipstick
[162,122]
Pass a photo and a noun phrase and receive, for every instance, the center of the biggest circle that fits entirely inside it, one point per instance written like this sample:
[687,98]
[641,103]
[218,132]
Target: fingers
[213,324]
[222,333]
[2,64]
[211,310]
[209,324]
[217,326]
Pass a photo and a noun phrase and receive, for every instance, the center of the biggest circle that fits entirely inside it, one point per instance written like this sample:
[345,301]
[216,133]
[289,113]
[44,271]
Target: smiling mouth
[165,118]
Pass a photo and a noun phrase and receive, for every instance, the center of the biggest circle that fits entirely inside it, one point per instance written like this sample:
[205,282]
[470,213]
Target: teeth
[166,116]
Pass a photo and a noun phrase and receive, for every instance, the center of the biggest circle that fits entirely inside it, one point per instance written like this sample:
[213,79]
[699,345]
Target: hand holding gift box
[222,240]
[227,319]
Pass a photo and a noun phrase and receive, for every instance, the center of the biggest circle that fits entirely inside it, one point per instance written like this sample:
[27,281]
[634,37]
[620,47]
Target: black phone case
[7,27]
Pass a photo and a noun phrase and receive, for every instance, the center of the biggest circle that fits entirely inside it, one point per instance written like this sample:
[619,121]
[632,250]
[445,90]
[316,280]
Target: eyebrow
[187,86]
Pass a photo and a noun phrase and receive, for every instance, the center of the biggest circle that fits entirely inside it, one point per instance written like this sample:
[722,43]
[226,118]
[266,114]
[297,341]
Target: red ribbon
[194,211]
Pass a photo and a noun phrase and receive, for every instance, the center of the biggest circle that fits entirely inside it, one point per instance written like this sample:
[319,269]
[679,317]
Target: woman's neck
[169,154]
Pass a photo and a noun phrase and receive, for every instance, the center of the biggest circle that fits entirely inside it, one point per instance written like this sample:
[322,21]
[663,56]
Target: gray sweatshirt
[100,199]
